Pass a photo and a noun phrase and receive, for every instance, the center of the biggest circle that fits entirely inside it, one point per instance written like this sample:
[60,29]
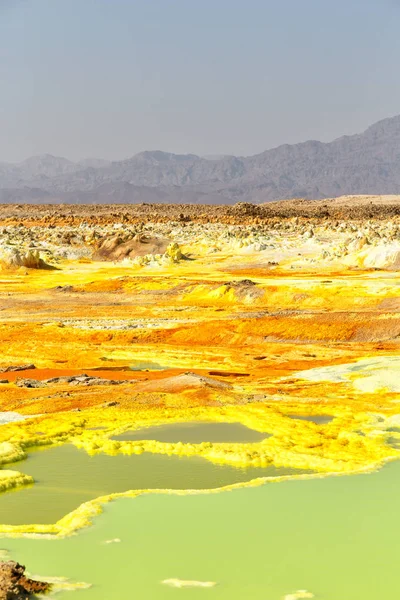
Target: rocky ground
[346,232]
[345,207]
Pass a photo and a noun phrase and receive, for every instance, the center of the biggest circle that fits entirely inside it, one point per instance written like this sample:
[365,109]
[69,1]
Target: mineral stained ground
[284,319]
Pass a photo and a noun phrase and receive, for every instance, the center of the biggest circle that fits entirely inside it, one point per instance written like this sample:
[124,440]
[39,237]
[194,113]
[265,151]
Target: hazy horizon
[152,150]
[96,79]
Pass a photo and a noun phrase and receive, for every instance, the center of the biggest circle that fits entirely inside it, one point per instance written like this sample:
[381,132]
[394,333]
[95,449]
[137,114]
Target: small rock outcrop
[30,259]
[14,585]
[85,380]
[114,248]
[245,209]
[13,368]
[29,383]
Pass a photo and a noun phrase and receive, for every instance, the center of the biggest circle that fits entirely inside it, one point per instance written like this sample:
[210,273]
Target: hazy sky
[109,78]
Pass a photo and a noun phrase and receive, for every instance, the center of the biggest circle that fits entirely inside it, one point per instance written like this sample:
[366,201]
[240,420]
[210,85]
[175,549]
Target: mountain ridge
[363,163]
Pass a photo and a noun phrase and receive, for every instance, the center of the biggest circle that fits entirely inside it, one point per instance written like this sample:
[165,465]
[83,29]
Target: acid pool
[66,477]
[317,419]
[337,537]
[195,433]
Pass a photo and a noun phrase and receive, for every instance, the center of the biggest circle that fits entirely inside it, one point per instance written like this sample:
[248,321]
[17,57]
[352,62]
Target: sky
[110,78]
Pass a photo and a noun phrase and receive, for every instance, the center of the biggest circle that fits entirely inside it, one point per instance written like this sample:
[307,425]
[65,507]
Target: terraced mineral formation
[252,316]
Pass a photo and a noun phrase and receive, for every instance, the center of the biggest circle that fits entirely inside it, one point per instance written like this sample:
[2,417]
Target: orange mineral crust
[289,326]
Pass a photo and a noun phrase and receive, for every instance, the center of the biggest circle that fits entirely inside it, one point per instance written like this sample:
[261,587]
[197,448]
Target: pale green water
[146,366]
[338,537]
[66,477]
[317,419]
[195,433]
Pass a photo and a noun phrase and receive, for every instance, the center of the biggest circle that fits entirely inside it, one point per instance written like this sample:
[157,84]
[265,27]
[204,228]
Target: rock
[184,381]
[245,209]
[242,283]
[64,288]
[29,383]
[309,233]
[63,379]
[101,381]
[107,247]
[173,253]
[115,249]
[30,259]
[84,380]
[17,368]
[14,585]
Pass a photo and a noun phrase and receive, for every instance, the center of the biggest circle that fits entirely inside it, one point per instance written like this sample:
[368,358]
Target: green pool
[66,477]
[195,433]
[337,537]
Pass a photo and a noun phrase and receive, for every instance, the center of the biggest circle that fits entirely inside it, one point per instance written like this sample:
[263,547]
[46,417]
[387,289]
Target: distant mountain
[96,163]
[367,163]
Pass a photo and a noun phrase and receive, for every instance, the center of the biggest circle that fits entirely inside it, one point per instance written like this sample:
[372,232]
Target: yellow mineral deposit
[181,583]
[301,594]
[11,479]
[251,322]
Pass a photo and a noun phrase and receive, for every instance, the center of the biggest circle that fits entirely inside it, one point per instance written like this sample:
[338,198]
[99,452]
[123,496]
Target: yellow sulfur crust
[227,336]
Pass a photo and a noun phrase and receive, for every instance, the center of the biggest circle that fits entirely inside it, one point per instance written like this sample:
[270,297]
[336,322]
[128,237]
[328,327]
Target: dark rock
[245,209]
[86,380]
[14,585]
[100,381]
[29,383]
[83,379]
[17,368]
[64,288]
[64,379]
[242,283]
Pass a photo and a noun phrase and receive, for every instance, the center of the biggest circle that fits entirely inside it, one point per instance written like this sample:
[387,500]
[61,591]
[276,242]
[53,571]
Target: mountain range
[366,163]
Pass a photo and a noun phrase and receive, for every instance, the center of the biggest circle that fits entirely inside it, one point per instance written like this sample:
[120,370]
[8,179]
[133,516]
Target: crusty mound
[114,248]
